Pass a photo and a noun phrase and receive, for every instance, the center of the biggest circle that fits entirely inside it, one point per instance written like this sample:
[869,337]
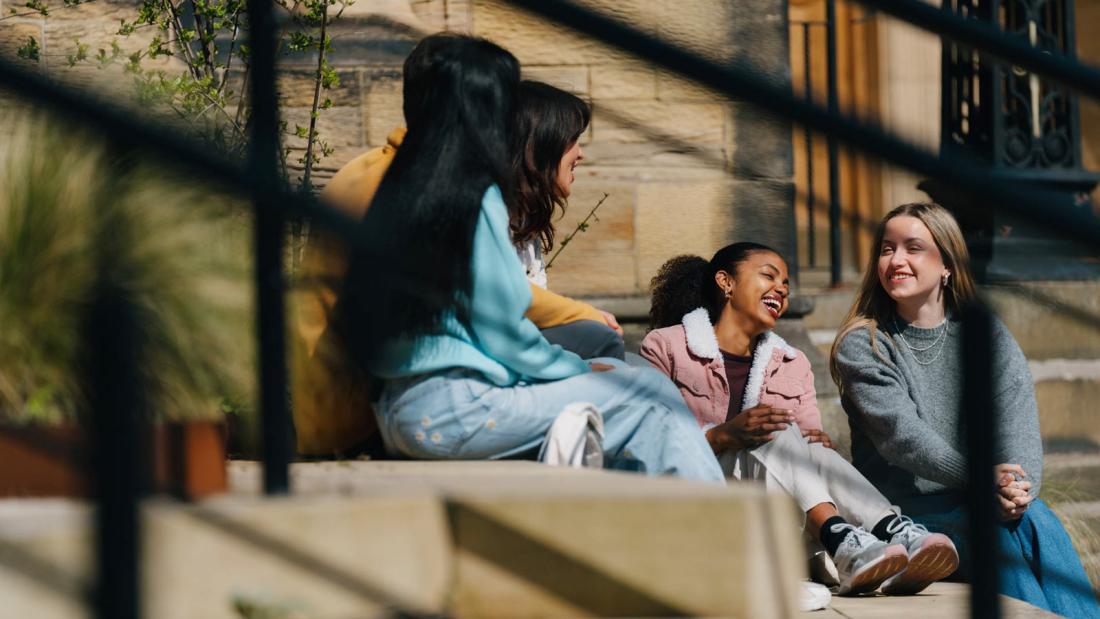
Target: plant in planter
[178,251]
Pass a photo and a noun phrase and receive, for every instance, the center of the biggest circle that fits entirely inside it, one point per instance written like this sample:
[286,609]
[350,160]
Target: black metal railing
[269,225]
[805,29]
[114,393]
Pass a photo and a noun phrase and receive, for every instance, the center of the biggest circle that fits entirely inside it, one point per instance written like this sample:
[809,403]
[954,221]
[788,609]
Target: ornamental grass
[73,211]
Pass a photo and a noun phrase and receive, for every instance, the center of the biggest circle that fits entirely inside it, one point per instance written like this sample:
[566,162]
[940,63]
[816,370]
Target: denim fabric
[458,414]
[1038,562]
[587,338]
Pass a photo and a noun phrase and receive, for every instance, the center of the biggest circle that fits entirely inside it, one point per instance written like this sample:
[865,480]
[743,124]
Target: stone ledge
[466,539]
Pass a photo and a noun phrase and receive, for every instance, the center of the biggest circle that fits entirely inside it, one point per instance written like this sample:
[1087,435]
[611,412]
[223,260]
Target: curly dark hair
[676,290]
[547,122]
[685,283]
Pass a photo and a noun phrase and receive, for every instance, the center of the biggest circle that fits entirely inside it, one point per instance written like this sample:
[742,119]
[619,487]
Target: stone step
[941,600]
[463,539]
[1067,405]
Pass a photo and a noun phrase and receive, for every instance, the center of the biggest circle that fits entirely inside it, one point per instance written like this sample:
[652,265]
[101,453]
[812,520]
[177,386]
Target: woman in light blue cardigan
[436,307]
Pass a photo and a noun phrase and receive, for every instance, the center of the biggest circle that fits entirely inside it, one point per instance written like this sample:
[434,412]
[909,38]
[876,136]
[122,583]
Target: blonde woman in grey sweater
[898,362]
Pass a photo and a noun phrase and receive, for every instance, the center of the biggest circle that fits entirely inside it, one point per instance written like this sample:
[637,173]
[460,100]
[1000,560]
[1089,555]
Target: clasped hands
[1011,491]
[755,426]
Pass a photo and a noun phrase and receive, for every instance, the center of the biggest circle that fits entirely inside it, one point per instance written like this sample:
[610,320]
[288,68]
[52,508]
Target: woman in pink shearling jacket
[780,375]
[754,396]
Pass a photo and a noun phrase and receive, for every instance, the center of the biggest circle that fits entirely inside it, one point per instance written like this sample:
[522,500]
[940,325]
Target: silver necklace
[942,337]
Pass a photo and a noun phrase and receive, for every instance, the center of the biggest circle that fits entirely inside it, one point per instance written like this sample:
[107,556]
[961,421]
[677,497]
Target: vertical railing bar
[115,397]
[834,170]
[269,226]
[981,423]
[811,236]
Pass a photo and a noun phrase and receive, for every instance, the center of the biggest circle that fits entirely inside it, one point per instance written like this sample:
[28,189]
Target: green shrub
[177,250]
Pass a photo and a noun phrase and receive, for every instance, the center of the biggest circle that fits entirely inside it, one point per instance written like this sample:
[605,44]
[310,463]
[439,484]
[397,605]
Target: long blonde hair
[873,306]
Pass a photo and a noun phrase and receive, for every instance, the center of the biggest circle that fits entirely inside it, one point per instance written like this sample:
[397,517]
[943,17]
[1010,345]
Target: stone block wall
[685,170]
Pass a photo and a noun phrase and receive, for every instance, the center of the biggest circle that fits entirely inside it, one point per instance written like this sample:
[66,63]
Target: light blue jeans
[1038,562]
[458,415]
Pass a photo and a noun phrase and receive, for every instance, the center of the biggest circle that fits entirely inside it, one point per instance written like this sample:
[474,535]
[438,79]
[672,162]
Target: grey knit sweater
[908,432]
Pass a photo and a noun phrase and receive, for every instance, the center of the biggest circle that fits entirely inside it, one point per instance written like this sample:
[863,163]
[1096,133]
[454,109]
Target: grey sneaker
[864,562]
[932,556]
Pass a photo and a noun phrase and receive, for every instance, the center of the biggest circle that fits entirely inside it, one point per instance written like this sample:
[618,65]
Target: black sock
[831,541]
[880,529]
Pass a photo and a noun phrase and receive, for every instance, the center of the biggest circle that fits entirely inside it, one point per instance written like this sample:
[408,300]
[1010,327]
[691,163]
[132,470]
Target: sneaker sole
[929,564]
[874,574]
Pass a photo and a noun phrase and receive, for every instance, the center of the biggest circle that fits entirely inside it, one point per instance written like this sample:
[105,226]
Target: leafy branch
[581,227]
[40,8]
[29,50]
[209,93]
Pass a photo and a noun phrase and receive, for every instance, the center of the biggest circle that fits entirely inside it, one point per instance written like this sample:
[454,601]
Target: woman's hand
[1011,491]
[818,436]
[750,428]
[611,322]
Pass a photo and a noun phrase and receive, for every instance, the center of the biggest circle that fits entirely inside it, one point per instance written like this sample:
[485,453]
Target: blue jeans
[1038,562]
[458,415]
[588,338]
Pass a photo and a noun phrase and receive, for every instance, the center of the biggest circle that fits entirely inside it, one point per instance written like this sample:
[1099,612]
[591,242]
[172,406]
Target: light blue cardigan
[500,342]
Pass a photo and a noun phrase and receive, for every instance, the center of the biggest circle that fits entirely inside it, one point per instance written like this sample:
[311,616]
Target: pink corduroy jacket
[688,353]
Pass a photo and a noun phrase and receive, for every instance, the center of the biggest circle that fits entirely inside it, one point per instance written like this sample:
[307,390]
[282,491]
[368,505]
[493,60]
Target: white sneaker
[932,556]
[864,562]
[813,596]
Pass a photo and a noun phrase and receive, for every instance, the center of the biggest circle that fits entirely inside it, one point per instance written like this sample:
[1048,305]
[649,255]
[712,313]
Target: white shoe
[813,596]
[932,556]
[864,562]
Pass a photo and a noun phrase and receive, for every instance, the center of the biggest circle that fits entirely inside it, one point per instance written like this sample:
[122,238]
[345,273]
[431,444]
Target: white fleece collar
[702,342]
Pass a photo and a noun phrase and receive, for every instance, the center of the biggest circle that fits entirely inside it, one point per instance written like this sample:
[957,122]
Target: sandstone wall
[684,169]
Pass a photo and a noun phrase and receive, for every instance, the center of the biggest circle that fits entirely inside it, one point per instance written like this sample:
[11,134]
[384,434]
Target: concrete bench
[464,539]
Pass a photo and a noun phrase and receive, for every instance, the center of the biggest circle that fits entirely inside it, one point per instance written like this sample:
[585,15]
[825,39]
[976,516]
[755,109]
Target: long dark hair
[547,122]
[687,282]
[415,267]
[416,73]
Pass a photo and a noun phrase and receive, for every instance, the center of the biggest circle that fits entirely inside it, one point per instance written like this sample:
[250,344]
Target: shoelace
[905,524]
[858,540]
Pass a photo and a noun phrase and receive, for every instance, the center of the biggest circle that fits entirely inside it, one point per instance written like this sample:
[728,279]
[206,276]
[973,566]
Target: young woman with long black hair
[435,306]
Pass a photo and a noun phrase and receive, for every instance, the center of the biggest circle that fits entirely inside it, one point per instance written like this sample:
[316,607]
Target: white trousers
[812,474]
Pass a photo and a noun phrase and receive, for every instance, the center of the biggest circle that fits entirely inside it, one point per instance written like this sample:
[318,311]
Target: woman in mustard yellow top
[331,403]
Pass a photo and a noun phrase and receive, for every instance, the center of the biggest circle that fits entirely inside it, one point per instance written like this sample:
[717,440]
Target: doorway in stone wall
[857,93]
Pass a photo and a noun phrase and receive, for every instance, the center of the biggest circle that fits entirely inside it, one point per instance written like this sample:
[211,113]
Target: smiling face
[758,293]
[573,155]
[910,267]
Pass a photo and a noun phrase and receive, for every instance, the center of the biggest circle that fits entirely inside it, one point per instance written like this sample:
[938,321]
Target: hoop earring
[943,282]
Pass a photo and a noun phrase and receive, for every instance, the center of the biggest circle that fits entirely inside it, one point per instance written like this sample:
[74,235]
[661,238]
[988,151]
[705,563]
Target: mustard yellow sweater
[331,402]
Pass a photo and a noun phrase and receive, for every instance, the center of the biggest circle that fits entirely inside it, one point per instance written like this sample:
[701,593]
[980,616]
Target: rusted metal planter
[187,460]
